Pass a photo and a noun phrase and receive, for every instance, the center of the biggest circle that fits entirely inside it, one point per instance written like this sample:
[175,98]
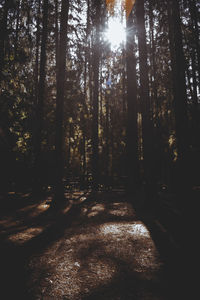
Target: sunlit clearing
[116,32]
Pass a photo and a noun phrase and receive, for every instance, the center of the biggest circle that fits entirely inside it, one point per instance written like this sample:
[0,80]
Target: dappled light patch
[77,196]
[95,210]
[121,210]
[25,235]
[93,214]
[136,229]
[112,210]
[7,222]
[29,221]
[30,211]
[41,208]
[28,208]
[67,208]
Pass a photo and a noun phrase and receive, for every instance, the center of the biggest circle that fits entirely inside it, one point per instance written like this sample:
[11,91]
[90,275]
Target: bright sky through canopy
[119,10]
[116,32]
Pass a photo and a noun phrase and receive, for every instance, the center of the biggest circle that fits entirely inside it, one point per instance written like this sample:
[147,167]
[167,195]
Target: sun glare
[116,32]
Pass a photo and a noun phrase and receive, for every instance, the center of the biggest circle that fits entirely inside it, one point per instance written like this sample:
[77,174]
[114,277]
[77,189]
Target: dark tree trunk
[37,53]
[147,128]
[56,34]
[194,19]
[179,93]
[3,34]
[107,142]
[85,109]
[178,74]
[40,102]
[95,125]
[61,84]
[153,61]
[131,132]
[17,29]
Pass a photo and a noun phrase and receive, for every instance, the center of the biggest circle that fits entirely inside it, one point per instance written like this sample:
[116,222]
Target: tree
[179,91]
[40,100]
[132,133]
[147,128]
[95,124]
[61,84]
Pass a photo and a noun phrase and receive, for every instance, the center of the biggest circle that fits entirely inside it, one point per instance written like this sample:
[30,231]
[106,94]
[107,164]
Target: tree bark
[3,34]
[61,84]
[178,74]
[95,125]
[40,101]
[179,97]
[147,128]
[131,131]
[194,19]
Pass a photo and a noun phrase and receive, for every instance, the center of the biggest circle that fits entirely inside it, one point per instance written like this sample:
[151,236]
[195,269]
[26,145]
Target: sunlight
[136,229]
[25,235]
[116,32]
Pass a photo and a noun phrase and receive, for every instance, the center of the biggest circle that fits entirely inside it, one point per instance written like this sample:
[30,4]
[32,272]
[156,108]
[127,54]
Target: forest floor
[96,248]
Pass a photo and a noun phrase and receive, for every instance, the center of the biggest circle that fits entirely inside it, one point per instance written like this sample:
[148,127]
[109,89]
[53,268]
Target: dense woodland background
[75,113]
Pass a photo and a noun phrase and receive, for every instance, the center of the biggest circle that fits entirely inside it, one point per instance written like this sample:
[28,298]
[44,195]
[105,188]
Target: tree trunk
[194,18]
[59,189]
[107,142]
[179,94]
[3,34]
[131,132]
[95,125]
[56,34]
[147,128]
[17,30]
[178,73]
[37,54]
[40,102]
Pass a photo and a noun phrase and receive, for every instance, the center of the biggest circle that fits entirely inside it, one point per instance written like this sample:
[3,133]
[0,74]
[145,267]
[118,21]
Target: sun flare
[116,32]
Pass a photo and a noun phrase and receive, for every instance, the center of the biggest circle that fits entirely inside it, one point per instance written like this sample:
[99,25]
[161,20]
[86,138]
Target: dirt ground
[96,248]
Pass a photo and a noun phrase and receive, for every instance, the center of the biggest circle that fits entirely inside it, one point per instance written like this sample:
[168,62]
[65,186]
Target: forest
[99,100]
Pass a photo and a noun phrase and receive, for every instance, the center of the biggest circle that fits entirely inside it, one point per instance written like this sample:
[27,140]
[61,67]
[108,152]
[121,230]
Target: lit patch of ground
[96,209]
[25,235]
[135,229]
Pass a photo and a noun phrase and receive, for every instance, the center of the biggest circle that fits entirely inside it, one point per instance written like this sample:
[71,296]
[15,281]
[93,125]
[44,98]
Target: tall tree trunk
[95,125]
[147,128]
[85,109]
[40,101]
[107,135]
[17,29]
[179,92]
[194,19]
[178,73]
[131,132]
[153,60]
[56,34]
[61,76]
[3,34]
[37,54]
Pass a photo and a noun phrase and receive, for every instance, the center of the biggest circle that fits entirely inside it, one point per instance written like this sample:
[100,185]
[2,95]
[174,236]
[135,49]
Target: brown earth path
[95,249]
